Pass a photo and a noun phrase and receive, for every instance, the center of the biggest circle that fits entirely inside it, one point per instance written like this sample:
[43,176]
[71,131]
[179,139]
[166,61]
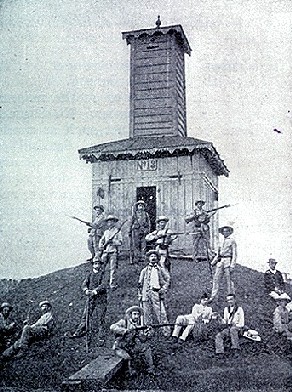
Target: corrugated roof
[146,147]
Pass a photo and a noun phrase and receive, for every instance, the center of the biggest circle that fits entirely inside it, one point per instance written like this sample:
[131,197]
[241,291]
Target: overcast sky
[64,85]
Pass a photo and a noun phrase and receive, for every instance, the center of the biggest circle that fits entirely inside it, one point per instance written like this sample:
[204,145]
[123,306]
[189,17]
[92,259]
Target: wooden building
[158,162]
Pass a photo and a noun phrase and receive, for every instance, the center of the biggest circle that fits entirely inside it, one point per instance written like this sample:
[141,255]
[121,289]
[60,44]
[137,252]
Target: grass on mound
[189,368]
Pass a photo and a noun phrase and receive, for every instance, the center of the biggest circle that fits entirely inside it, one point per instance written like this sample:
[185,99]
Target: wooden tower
[158,162]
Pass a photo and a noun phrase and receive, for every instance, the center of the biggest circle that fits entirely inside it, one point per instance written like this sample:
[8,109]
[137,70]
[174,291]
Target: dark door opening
[148,194]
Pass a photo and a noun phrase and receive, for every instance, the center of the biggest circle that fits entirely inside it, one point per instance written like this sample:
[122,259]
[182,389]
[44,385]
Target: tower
[158,163]
[157,81]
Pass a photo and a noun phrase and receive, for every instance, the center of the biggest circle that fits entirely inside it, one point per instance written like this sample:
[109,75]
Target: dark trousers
[99,304]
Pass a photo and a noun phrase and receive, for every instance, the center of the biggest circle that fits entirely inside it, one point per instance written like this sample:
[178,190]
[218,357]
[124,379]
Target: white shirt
[238,318]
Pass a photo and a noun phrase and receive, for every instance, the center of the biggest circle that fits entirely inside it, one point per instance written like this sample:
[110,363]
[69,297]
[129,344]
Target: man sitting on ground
[274,282]
[201,314]
[130,342]
[7,329]
[281,322]
[233,318]
[41,329]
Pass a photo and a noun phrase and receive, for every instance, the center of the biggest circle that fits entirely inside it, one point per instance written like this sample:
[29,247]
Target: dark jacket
[273,280]
[94,281]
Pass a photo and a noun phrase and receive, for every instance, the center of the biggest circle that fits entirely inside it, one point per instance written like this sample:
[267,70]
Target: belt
[154,289]
[225,257]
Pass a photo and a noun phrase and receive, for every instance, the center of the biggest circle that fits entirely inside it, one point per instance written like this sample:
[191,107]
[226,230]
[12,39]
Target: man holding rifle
[224,262]
[131,339]
[162,238]
[96,229]
[140,227]
[109,245]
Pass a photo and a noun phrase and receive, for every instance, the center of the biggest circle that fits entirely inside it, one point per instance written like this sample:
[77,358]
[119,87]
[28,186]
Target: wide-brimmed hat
[45,303]
[113,218]
[252,334]
[6,305]
[99,207]
[153,252]
[162,218]
[200,201]
[225,227]
[271,260]
[134,309]
[283,297]
[140,202]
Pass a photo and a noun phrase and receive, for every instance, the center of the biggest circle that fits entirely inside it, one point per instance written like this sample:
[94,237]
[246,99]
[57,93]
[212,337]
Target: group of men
[133,332]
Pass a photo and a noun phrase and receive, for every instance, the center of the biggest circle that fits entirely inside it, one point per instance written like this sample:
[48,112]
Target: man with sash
[232,323]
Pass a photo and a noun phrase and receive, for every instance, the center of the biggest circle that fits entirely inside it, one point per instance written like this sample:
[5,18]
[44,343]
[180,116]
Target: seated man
[234,320]
[274,282]
[130,341]
[281,322]
[201,313]
[37,331]
[7,329]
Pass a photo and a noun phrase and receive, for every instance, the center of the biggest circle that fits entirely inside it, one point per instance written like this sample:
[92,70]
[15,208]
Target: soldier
[131,342]
[96,230]
[224,261]
[233,319]
[201,231]
[108,248]
[281,322]
[7,329]
[152,288]
[201,313]
[140,227]
[162,238]
[95,291]
[41,329]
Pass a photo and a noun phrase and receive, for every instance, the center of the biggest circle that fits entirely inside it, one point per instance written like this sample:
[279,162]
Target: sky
[64,85]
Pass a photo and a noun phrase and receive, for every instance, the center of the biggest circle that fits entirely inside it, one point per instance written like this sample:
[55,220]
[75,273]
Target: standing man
[162,238]
[130,342]
[201,231]
[109,246]
[233,319]
[40,330]
[7,329]
[140,227]
[96,229]
[152,288]
[274,282]
[201,314]
[95,291]
[224,261]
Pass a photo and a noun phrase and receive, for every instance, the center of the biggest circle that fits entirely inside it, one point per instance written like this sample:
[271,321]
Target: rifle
[80,220]
[219,208]
[113,236]
[87,326]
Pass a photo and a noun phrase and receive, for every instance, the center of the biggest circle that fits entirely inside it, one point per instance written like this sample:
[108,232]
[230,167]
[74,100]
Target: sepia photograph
[145,181]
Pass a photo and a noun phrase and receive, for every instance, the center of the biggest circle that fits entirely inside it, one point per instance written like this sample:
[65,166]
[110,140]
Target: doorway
[148,194]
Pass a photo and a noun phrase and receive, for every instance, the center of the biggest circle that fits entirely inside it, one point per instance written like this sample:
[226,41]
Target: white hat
[252,334]
[283,297]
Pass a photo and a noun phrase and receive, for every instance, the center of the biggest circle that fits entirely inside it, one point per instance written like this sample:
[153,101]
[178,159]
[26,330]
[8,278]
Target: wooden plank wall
[157,85]
[175,197]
